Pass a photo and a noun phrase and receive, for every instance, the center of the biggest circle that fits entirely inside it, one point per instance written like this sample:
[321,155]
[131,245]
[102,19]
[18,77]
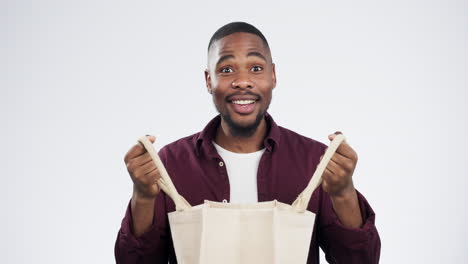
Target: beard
[243,131]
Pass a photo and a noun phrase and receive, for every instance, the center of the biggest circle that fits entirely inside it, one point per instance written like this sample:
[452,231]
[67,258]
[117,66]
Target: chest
[202,178]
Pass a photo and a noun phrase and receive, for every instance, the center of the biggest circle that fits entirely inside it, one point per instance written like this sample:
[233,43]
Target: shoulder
[296,141]
[181,147]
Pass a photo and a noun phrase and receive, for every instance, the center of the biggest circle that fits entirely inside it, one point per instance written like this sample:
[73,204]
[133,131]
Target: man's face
[240,77]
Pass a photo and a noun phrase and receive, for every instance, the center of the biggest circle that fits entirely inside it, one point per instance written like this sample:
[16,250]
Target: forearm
[150,243]
[142,214]
[347,209]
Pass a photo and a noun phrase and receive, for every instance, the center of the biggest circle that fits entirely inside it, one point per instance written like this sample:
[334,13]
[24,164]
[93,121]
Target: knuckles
[126,158]
[131,166]
[154,174]
[343,173]
[348,166]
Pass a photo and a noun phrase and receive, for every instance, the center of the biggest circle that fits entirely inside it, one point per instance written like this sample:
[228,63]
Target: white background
[82,80]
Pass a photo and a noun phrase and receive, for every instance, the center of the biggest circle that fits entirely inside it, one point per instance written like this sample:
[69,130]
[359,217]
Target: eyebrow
[250,54]
[257,54]
[223,58]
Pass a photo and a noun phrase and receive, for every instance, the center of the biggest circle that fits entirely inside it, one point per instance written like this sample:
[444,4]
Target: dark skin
[241,65]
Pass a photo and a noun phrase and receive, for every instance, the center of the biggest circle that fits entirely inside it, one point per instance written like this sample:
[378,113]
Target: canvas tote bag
[229,233]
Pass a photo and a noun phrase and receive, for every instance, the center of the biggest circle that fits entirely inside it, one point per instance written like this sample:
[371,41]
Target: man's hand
[143,171]
[144,175]
[338,183]
[337,177]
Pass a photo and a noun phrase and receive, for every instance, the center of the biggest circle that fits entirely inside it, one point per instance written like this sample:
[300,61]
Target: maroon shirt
[285,168]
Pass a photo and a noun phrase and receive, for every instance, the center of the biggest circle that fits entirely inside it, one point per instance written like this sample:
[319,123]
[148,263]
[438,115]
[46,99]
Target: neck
[226,140]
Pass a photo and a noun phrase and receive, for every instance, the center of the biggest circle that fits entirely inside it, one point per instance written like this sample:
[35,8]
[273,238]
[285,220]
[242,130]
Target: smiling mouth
[242,102]
[243,107]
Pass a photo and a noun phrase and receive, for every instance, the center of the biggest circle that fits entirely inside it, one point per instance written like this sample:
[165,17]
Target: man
[242,155]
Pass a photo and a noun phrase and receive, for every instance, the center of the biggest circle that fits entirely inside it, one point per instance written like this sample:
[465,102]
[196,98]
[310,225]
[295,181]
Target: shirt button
[221,163]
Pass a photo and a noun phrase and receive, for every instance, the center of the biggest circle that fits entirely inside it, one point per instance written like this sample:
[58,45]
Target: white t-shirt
[242,173]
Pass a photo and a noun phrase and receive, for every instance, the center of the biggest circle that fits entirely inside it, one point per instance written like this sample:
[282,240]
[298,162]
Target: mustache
[257,97]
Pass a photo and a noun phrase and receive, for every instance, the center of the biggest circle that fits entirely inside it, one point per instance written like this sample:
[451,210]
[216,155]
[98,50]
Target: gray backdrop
[82,80]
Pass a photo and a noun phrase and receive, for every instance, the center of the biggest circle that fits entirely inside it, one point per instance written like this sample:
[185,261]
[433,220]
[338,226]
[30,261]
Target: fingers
[332,136]
[142,159]
[344,148]
[137,150]
[325,186]
[153,175]
[145,168]
[327,177]
[337,170]
[333,179]
[333,167]
[343,163]
[147,174]
[142,170]
[330,173]
[135,163]
[134,152]
[339,165]
[151,138]
[346,163]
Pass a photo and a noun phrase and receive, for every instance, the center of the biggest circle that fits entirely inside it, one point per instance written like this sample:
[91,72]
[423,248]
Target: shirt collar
[203,139]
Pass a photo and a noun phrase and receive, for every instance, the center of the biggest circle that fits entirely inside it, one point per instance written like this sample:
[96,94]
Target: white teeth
[243,102]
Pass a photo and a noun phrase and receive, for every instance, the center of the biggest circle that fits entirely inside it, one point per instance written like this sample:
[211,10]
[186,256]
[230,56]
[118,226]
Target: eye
[256,68]
[226,70]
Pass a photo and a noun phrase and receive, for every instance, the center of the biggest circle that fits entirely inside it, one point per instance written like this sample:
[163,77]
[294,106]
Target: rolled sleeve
[346,245]
[154,246]
[151,247]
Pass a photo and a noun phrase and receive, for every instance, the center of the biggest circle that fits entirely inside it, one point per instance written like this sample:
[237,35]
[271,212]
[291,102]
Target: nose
[242,82]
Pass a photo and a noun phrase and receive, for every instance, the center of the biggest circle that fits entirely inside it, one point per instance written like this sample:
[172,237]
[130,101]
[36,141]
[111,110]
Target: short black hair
[235,27]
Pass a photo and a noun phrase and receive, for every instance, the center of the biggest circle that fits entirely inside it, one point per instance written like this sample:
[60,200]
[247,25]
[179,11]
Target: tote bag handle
[302,201]
[300,204]
[164,182]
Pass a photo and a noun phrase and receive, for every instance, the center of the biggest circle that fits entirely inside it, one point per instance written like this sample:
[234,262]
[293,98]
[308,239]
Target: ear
[208,81]
[273,72]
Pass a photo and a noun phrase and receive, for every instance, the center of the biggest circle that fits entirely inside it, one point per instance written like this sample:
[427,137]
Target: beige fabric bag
[265,232]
